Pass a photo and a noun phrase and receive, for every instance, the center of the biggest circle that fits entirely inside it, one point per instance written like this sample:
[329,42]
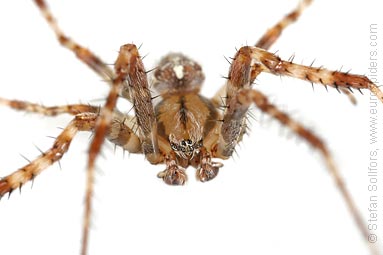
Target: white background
[275,197]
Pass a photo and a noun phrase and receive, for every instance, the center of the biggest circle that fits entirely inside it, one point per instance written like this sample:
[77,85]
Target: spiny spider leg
[130,66]
[246,97]
[251,61]
[72,109]
[102,125]
[109,123]
[274,32]
[119,133]
[82,53]
[269,38]
[264,61]
[272,35]
[82,122]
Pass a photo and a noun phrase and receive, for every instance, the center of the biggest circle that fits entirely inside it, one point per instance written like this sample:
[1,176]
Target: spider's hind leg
[247,97]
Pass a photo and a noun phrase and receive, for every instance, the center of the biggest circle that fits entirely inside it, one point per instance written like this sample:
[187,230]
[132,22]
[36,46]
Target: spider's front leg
[83,54]
[264,61]
[274,32]
[129,72]
[250,62]
[129,65]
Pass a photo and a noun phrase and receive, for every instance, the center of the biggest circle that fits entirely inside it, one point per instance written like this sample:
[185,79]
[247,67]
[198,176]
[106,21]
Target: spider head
[177,73]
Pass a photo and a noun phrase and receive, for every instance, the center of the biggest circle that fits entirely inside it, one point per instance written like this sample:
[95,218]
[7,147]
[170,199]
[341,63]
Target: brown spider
[185,128]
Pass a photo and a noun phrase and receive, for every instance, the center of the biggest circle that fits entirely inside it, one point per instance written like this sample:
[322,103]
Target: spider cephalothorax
[187,122]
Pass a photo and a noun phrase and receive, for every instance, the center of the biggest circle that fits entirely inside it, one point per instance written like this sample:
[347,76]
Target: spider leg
[269,38]
[82,53]
[131,76]
[109,124]
[265,61]
[82,122]
[130,66]
[102,125]
[119,133]
[248,96]
[249,62]
[25,106]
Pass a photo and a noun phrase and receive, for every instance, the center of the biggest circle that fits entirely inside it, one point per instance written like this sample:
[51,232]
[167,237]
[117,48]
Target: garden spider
[241,178]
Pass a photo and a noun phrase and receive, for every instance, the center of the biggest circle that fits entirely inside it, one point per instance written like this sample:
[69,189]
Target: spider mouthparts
[173,175]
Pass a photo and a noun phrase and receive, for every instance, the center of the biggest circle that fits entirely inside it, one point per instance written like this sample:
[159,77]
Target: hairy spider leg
[130,72]
[72,109]
[119,133]
[251,61]
[82,122]
[129,66]
[83,54]
[273,33]
[247,97]
[264,61]
[113,125]
[268,39]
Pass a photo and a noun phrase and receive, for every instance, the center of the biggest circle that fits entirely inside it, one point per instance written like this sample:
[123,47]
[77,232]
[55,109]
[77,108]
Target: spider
[194,139]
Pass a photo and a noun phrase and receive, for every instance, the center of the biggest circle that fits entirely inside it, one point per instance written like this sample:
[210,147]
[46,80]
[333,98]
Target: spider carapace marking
[184,128]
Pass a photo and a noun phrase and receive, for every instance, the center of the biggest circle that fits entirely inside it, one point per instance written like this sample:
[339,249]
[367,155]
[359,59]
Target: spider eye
[189,142]
[183,143]
[173,146]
